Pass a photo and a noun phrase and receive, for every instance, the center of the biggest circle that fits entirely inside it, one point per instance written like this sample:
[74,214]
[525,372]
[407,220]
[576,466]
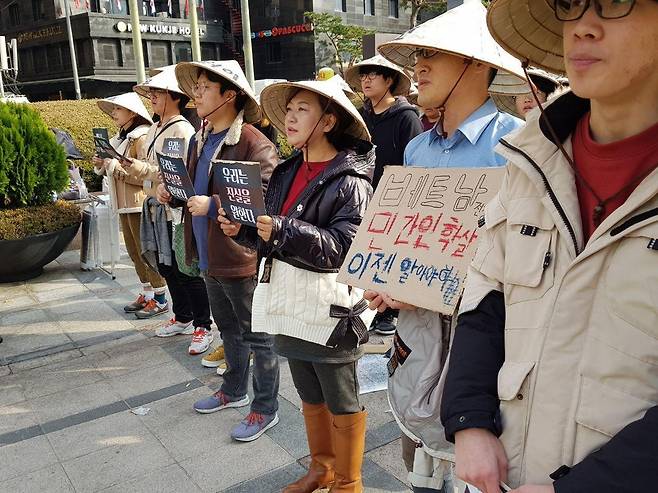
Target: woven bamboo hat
[353,79]
[165,80]
[187,74]
[462,32]
[129,100]
[504,92]
[529,30]
[275,98]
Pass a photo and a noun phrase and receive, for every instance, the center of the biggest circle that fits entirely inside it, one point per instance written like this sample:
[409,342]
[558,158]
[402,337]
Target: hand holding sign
[105,150]
[175,177]
[240,190]
[198,205]
[264,226]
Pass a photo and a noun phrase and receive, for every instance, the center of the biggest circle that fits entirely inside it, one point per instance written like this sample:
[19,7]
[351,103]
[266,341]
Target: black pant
[188,294]
[333,383]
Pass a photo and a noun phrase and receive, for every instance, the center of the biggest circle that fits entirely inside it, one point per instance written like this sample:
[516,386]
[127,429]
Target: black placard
[105,149]
[240,189]
[174,147]
[102,134]
[175,177]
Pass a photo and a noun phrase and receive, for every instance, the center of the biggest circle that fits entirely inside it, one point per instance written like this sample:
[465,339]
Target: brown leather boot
[350,443]
[320,442]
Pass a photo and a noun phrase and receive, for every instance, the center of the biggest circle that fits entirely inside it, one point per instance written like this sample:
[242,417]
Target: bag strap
[169,124]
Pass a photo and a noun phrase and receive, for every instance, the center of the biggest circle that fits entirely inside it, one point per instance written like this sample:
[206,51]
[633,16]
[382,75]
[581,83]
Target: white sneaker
[174,328]
[201,341]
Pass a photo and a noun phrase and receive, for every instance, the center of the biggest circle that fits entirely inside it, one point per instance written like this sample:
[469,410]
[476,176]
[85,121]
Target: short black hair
[493,72]
[224,85]
[384,72]
[181,100]
[544,85]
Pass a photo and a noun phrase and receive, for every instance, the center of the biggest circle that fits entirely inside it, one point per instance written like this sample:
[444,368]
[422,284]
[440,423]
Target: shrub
[78,117]
[32,164]
[16,224]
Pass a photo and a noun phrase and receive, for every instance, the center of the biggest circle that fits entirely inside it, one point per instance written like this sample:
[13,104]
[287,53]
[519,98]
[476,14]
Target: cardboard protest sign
[419,234]
[175,177]
[173,147]
[240,189]
[102,135]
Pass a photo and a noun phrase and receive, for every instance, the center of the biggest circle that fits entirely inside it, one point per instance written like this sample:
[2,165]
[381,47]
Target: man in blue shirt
[455,61]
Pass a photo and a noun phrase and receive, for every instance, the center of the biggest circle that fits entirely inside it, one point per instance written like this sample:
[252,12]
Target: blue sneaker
[217,402]
[253,426]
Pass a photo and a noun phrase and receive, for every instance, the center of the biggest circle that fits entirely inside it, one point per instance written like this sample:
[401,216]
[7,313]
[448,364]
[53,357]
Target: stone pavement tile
[51,479]
[63,293]
[389,457]
[377,480]
[32,363]
[73,401]
[80,330]
[23,317]
[57,377]
[80,308]
[16,416]
[4,371]
[381,435]
[376,403]
[150,378]
[121,428]
[13,289]
[177,346]
[226,465]
[25,457]
[169,479]
[133,458]
[51,279]
[11,390]
[123,363]
[272,482]
[291,395]
[20,341]
[16,302]
[130,342]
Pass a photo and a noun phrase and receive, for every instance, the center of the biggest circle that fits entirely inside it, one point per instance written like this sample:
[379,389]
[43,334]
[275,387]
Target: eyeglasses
[152,93]
[572,10]
[202,88]
[368,76]
[424,53]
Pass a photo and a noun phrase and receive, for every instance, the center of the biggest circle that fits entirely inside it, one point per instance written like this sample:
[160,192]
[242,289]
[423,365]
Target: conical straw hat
[129,100]
[529,30]
[462,32]
[354,80]
[165,80]
[275,98]
[503,90]
[187,74]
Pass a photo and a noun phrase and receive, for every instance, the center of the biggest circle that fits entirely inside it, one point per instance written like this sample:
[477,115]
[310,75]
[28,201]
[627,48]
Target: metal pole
[74,61]
[194,26]
[137,41]
[246,42]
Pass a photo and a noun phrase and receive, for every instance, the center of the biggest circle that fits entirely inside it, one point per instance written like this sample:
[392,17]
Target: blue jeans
[230,303]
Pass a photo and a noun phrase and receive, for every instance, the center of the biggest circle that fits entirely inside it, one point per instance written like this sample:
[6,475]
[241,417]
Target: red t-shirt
[608,168]
[306,173]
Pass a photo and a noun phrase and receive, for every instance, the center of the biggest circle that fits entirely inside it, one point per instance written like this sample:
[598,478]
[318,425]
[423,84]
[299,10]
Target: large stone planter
[24,259]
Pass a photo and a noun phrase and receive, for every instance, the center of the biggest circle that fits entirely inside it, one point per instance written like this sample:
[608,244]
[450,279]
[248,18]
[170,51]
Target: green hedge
[78,118]
[16,224]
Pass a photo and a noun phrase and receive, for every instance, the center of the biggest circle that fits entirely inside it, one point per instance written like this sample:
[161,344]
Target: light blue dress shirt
[471,146]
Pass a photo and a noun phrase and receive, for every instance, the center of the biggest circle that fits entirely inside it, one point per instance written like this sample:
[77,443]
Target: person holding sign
[133,120]
[552,384]
[392,122]
[454,60]
[315,203]
[188,292]
[224,99]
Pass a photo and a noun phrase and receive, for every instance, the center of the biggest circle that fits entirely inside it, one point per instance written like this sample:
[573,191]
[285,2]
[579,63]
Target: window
[341,5]
[183,52]
[108,53]
[393,8]
[369,7]
[14,15]
[110,6]
[54,58]
[159,54]
[38,11]
[274,52]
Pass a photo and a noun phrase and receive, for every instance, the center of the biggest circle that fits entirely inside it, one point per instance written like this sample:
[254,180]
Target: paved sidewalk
[73,365]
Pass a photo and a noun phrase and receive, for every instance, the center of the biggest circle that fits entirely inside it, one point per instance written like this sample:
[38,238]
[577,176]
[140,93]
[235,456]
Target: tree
[346,41]
[417,6]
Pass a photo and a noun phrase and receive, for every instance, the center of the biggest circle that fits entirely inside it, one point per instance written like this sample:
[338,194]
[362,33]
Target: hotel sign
[159,28]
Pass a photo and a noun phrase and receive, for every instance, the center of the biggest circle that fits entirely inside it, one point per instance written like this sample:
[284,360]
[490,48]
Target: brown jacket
[243,142]
[126,191]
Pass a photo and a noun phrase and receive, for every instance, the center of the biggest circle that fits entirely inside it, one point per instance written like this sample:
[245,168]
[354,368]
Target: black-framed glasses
[572,10]
[424,53]
[368,76]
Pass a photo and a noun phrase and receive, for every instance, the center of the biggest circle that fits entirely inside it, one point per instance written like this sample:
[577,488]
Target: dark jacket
[391,131]
[319,230]
[628,462]
[226,258]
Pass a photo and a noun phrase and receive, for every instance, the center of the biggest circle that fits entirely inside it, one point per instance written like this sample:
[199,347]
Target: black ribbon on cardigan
[348,319]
